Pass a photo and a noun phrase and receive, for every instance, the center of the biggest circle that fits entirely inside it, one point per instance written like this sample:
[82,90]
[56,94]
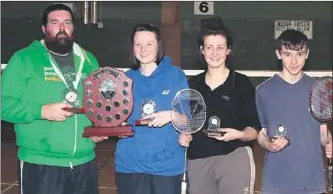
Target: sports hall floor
[9,179]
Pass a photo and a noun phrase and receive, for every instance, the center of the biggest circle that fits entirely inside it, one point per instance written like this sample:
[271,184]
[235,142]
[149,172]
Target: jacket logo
[165,92]
[50,74]
[225,97]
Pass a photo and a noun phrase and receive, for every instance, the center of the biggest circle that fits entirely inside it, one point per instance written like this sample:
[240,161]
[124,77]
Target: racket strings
[321,99]
[188,111]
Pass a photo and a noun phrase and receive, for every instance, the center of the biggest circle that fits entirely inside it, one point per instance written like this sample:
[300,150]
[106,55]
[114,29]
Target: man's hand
[328,149]
[326,139]
[277,144]
[98,139]
[55,112]
[159,119]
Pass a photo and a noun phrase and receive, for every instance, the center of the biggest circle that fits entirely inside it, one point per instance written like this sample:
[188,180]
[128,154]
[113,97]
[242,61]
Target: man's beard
[60,45]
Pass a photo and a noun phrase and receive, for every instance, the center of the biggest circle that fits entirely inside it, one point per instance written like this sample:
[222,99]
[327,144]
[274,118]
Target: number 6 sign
[203,8]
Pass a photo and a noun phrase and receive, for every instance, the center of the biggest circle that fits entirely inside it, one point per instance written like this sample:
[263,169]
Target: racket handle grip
[329,177]
[183,187]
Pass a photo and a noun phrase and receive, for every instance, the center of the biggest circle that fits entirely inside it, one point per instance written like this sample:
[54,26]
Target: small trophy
[107,102]
[281,131]
[148,107]
[214,127]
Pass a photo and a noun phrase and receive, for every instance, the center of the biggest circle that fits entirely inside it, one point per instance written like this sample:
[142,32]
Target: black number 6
[203,7]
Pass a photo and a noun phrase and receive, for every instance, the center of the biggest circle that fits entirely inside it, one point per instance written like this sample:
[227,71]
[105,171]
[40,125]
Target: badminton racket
[321,109]
[188,115]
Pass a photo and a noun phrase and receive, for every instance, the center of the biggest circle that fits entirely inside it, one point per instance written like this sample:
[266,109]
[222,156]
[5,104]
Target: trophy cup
[107,102]
[281,131]
[214,127]
[148,107]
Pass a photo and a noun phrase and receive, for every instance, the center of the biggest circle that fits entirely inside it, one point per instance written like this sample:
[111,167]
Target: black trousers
[137,183]
[43,179]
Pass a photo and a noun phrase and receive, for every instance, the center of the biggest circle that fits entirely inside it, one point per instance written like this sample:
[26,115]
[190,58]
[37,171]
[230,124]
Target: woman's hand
[159,119]
[229,134]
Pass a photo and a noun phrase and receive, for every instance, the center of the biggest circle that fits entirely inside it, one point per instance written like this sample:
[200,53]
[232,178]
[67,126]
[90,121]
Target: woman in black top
[222,164]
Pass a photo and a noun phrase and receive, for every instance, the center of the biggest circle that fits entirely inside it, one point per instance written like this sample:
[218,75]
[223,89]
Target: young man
[38,82]
[293,159]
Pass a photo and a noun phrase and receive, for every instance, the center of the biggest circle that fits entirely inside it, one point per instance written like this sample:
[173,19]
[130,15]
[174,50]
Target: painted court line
[115,188]
[10,186]
[8,183]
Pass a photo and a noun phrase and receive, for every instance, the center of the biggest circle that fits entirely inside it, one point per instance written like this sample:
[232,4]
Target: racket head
[188,111]
[321,99]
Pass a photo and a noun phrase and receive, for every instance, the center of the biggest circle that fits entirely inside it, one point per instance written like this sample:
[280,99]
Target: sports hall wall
[251,23]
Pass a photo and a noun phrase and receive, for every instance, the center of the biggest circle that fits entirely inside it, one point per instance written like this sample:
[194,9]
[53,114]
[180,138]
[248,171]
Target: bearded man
[38,83]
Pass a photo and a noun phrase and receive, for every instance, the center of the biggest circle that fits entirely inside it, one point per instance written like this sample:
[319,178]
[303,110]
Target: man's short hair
[55,7]
[292,40]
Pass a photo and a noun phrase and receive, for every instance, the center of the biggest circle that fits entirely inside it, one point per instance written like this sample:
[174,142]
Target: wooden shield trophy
[107,102]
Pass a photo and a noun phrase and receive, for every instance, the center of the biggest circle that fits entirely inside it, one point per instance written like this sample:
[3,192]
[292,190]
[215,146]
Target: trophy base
[214,133]
[143,122]
[122,130]
[74,110]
